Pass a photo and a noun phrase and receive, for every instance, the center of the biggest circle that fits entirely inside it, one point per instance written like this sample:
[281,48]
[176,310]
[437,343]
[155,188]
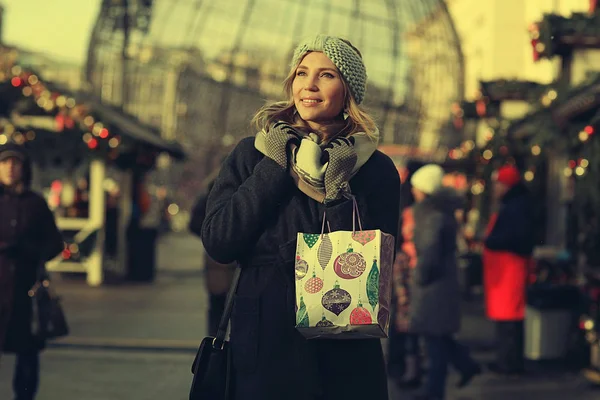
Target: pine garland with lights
[77,129]
[556,35]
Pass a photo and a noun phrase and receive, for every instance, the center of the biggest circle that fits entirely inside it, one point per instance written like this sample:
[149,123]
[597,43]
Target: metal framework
[199,69]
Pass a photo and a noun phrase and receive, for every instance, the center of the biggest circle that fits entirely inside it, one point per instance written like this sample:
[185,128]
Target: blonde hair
[358,119]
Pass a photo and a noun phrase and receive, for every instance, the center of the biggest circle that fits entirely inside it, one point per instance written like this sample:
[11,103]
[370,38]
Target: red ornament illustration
[350,265]
[313,285]
[360,316]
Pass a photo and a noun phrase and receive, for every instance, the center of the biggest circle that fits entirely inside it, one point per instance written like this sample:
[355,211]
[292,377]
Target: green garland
[556,35]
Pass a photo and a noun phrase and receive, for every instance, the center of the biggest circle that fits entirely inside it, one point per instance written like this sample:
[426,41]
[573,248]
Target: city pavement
[137,341]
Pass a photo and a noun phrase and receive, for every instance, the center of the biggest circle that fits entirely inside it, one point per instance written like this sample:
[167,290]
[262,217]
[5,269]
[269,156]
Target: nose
[310,84]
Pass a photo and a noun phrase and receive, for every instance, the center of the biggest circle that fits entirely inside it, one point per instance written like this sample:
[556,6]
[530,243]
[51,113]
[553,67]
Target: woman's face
[318,90]
[11,171]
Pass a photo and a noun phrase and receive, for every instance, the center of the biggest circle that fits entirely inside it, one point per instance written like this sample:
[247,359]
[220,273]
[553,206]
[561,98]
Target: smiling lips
[311,102]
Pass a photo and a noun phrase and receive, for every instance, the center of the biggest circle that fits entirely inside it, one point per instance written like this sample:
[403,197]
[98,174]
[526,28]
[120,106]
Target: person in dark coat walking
[217,276]
[312,152]
[435,312]
[28,238]
[506,260]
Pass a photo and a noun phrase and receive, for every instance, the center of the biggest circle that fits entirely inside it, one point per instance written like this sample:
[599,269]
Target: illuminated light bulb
[536,150]
[529,175]
[579,171]
[16,70]
[103,133]
[61,101]
[16,81]
[27,91]
[33,79]
[568,172]
[584,163]
[552,94]
[540,47]
[173,209]
[93,143]
[71,103]
[89,120]
[30,135]
[583,136]
[97,128]
[113,143]
[87,137]
[3,139]
[488,154]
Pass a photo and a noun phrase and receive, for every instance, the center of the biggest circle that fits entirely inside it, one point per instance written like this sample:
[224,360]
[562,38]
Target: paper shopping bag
[343,284]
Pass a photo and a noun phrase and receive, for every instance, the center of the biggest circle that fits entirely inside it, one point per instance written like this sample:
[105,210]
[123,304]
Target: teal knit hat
[343,56]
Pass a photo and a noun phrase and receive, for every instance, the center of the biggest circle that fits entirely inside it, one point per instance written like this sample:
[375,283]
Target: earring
[345,115]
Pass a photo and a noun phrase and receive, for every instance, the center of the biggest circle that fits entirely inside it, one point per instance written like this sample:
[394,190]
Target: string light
[529,175]
[16,81]
[584,163]
[536,150]
[488,154]
[103,133]
[579,171]
[583,136]
[113,143]
[568,172]
[87,137]
[33,79]
[3,139]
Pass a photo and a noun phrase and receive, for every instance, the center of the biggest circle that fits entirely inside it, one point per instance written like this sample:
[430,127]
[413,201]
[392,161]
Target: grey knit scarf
[322,170]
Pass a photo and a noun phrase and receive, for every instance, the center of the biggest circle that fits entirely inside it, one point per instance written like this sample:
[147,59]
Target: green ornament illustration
[311,239]
[302,315]
[373,285]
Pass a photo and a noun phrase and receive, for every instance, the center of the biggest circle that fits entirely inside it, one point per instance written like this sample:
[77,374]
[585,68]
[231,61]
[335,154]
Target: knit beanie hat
[508,175]
[343,56]
[428,178]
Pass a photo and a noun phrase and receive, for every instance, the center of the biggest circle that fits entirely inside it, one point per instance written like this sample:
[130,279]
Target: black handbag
[48,320]
[212,365]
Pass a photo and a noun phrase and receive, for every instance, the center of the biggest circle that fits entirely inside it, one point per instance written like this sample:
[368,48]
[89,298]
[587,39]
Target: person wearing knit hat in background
[508,248]
[435,291]
[312,152]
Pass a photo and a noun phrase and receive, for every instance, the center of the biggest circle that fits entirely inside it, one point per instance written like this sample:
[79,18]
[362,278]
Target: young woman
[312,152]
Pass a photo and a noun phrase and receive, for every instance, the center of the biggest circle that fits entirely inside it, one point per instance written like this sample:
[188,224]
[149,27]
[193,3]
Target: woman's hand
[341,158]
[278,140]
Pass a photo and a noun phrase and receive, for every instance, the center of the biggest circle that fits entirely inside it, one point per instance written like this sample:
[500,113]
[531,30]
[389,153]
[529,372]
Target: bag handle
[355,218]
[219,340]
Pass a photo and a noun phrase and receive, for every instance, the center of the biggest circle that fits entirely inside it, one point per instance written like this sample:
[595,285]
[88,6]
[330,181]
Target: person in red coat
[508,248]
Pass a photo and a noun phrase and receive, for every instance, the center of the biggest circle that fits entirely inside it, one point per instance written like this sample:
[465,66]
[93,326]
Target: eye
[328,75]
[300,73]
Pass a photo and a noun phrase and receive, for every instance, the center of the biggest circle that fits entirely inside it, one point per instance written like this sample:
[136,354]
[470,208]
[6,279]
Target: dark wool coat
[435,290]
[253,215]
[27,226]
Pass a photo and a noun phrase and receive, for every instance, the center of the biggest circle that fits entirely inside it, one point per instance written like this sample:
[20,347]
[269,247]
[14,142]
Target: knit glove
[341,156]
[278,140]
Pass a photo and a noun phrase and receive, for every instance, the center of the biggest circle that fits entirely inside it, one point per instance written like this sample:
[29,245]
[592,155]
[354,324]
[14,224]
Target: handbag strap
[219,340]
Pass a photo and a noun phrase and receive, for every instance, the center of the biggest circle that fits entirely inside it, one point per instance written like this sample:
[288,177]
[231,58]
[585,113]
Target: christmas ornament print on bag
[348,294]
[350,265]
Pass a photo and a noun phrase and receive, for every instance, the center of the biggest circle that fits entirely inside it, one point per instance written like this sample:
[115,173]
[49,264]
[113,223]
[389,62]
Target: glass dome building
[198,70]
